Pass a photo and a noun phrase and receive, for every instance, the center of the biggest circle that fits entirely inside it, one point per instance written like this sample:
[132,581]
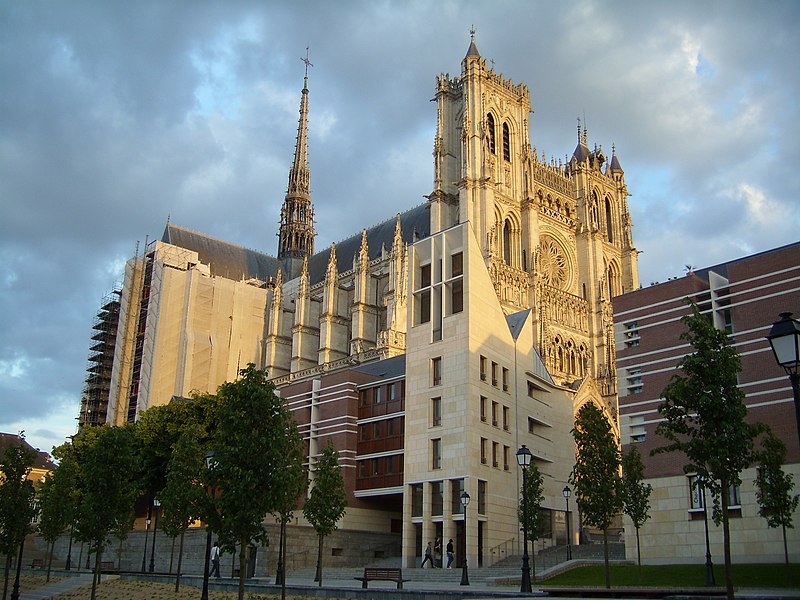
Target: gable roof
[8,440]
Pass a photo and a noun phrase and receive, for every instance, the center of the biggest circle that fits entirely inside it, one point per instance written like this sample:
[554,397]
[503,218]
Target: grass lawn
[749,576]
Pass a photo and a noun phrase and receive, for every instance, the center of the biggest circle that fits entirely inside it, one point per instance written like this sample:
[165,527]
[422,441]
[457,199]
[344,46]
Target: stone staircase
[483,576]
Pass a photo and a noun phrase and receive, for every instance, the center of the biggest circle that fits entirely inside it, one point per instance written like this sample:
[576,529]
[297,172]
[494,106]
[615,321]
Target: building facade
[428,348]
[743,297]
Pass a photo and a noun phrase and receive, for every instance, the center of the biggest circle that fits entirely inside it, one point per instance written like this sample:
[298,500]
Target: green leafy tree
[17,508]
[635,493]
[534,493]
[595,476]
[108,483]
[704,417]
[294,484]
[327,502]
[774,487]
[56,503]
[250,424]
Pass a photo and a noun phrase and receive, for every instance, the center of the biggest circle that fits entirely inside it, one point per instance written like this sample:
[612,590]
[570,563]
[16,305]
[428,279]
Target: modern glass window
[456,487]
[436,412]
[425,307]
[416,500]
[436,370]
[457,264]
[437,498]
[425,276]
[481,497]
[457,296]
[436,453]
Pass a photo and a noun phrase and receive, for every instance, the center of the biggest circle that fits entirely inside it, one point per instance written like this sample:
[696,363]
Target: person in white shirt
[215,561]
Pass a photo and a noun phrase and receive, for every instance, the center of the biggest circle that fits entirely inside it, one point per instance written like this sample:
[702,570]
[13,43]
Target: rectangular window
[362,433]
[494,373]
[392,391]
[505,418]
[483,450]
[505,379]
[457,296]
[484,401]
[362,468]
[436,370]
[505,457]
[734,496]
[436,412]
[483,368]
[376,394]
[425,307]
[495,447]
[695,494]
[390,428]
[436,453]
[457,264]
[416,500]
[481,497]
[456,487]
[494,414]
[437,498]
[362,398]
[531,389]
[425,276]
[376,430]
[389,465]
[632,337]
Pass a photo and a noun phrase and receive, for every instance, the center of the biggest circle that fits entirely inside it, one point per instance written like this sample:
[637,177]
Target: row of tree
[229,459]
[705,418]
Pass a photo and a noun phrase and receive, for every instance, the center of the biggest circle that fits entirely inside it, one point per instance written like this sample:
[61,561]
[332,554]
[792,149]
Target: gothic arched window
[609,222]
[491,133]
[507,242]
[506,143]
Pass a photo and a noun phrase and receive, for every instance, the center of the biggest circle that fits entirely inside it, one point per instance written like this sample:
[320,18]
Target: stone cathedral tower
[556,237]
[296,234]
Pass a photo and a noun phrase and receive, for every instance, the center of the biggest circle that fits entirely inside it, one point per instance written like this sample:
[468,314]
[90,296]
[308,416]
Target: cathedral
[428,348]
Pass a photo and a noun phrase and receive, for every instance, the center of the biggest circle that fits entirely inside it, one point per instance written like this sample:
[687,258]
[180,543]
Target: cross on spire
[472,33]
[308,62]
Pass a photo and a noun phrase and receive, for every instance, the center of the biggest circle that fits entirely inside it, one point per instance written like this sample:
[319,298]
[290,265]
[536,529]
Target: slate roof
[237,263]
[8,440]
[225,259]
[388,368]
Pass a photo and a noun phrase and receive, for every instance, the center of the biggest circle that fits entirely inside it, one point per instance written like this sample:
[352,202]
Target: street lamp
[211,463]
[156,505]
[146,535]
[524,457]
[784,337]
[464,573]
[566,491]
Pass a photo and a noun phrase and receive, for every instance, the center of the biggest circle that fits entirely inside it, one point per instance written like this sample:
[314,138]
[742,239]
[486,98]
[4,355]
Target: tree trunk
[96,577]
[638,550]
[605,556]
[283,558]
[785,548]
[8,573]
[50,560]
[242,565]
[171,555]
[319,561]
[533,561]
[726,541]
[180,563]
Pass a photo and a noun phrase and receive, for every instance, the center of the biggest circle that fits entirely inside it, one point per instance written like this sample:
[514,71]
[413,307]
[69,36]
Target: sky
[116,116]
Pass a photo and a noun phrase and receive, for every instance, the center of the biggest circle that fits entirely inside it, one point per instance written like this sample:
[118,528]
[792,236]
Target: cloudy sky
[115,116]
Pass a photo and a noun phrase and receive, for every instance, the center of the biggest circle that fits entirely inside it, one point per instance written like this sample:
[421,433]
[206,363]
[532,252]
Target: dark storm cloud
[114,116]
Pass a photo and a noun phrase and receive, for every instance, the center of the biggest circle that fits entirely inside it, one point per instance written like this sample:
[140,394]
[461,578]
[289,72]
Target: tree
[635,493]
[57,503]
[327,502]
[17,508]
[704,416]
[108,483]
[249,426]
[595,476]
[295,483]
[534,493]
[774,487]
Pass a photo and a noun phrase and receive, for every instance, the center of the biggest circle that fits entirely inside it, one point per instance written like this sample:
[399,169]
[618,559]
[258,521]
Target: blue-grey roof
[388,368]
[224,259]
[516,321]
[415,223]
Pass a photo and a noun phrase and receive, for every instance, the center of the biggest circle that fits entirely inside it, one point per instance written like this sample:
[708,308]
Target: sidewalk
[65,585]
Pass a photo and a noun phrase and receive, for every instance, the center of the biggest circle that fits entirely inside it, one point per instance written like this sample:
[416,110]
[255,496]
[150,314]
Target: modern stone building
[428,348]
[743,297]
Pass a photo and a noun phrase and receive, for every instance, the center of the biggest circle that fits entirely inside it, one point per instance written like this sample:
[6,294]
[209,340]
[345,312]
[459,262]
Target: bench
[106,565]
[37,563]
[382,574]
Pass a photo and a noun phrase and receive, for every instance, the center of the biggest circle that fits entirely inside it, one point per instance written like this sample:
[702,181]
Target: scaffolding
[97,385]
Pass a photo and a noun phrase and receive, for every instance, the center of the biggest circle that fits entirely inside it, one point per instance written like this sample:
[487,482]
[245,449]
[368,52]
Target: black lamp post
[211,463]
[784,337]
[68,564]
[464,573]
[566,491]
[156,505]
[146,535]
[709,565]
[524,457]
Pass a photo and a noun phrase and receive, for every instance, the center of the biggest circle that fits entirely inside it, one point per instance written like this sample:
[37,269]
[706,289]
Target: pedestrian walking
[428,557]
[215,561]
[450,553]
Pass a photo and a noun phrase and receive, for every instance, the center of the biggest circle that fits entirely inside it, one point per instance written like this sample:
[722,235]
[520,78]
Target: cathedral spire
[296,236]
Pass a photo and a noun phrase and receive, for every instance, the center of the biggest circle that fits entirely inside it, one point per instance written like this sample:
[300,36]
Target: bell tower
[296,235]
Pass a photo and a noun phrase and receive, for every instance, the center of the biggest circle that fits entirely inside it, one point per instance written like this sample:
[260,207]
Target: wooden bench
[37,563]
[106,565]
[382,574]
